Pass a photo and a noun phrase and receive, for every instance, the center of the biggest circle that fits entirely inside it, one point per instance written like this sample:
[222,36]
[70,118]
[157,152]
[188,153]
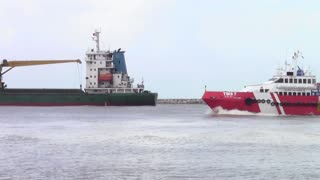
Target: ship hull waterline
[75,98]
[262,103]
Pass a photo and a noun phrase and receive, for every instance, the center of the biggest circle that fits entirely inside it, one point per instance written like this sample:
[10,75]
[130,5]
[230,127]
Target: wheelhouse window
[286,80]
[304,81]
[300,81]
[309,81]
[279,80]
[295,81]
[290,81]
[289,73]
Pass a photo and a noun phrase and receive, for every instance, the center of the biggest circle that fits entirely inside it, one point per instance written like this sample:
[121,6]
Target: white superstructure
[106,71]
[290,80]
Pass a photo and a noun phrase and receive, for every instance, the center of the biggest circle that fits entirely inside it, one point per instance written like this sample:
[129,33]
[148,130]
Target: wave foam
[220,111]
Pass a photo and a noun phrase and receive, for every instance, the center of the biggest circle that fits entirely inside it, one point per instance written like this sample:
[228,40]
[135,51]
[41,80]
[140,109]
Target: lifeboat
[105,77]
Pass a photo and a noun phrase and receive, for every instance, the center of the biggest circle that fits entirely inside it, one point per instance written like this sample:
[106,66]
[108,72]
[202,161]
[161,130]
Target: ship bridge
[289,80]
[106,71]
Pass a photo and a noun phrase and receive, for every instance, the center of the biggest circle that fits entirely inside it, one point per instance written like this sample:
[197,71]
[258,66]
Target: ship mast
[96,34]
[295,58]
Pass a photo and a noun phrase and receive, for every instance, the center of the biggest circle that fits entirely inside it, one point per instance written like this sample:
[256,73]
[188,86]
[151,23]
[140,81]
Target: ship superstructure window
[290,94]
[280,93]
[290,81]
[304,81]
[266,90]
[313,81]
[309,81]
[303,93]
[279,80]
[285,93]
[300,81]
[294,93]
[299,93]
[285,80]
[308,94]
[295,81]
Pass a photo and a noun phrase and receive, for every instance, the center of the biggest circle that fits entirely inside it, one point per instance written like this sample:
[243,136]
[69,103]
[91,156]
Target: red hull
[266,103]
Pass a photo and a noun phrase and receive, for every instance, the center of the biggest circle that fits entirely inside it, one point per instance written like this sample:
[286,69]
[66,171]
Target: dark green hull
[73,97]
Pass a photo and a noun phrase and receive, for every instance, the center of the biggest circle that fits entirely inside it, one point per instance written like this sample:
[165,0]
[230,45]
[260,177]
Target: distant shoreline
[180,101]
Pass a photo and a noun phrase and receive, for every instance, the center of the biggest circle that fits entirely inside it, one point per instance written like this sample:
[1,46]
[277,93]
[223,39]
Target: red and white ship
[292,91]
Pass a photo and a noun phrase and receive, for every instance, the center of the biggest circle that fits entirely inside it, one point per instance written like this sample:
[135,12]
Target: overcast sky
[176,46]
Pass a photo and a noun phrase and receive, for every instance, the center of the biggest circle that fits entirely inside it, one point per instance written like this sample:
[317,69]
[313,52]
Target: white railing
[114,90]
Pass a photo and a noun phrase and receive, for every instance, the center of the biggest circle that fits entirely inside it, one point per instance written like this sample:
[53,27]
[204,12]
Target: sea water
[162,142]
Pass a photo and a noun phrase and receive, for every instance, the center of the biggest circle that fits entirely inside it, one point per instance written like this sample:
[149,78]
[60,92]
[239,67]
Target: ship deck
[40,91]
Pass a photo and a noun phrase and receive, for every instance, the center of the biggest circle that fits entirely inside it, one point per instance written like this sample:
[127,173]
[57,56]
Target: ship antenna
[295,58]
[97,39]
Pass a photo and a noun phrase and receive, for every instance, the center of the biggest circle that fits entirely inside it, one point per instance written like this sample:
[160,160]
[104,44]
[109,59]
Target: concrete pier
[180,101]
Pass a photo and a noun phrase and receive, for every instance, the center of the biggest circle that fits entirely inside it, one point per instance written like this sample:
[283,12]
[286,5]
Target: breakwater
[180,101]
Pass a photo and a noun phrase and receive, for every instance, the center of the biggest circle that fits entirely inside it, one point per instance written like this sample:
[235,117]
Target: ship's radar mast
[96,38]
[295,57]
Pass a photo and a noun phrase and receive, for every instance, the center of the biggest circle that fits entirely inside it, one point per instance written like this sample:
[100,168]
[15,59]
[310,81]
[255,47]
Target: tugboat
[107,84]
[292,91]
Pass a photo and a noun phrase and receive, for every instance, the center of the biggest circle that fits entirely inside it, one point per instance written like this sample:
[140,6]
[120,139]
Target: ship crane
[18,63]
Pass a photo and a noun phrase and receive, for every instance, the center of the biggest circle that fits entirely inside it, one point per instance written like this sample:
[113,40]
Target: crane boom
[6,63]
[12,64]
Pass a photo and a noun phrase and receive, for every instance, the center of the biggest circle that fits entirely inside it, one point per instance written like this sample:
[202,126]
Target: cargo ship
[292,91]
[107,83]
